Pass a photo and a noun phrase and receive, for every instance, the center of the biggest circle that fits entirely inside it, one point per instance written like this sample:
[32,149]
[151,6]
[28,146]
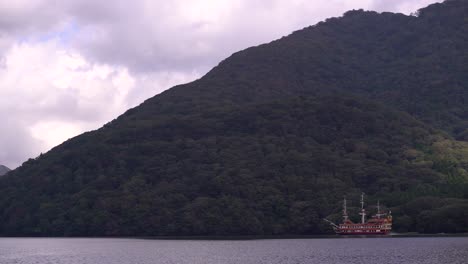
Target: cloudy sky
[69,66]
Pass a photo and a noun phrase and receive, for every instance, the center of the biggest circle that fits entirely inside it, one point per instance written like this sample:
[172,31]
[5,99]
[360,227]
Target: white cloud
[401,6]
[56,94]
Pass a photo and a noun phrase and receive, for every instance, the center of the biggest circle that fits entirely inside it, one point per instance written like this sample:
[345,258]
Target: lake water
[415,250]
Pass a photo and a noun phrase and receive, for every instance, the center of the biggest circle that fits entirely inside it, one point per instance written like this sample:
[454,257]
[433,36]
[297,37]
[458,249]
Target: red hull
[375,226]
[370,232]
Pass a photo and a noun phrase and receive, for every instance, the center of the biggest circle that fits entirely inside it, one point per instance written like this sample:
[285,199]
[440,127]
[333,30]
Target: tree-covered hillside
[269,141]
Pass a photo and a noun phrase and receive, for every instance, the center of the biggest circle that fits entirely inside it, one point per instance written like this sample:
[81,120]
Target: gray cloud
[16,142]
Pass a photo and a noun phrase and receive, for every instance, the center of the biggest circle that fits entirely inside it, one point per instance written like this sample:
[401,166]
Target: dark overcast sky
[70,66]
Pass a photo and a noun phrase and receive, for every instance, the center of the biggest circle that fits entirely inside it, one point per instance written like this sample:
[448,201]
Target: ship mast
[378,209]
[363,211]
[345,211]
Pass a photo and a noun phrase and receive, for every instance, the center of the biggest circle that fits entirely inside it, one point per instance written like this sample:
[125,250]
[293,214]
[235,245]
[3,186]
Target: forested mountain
[3,170]
[271,139]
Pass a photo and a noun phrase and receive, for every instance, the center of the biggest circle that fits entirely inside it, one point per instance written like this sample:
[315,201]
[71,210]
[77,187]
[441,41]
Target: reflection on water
[425,250]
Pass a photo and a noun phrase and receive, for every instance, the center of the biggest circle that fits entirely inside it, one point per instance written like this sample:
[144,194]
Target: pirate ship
[378,224]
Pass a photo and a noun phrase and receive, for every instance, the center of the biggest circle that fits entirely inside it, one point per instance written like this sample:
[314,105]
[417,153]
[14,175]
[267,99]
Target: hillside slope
[269,141]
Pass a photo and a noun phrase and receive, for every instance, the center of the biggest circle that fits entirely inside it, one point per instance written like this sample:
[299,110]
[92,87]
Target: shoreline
[246,237]
[395,235]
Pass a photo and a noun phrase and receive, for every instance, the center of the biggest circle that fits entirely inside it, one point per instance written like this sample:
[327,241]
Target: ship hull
[376,227]
[363,233]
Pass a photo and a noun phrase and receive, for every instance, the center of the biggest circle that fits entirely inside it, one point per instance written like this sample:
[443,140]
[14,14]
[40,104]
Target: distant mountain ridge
[3,170]
[270,140]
